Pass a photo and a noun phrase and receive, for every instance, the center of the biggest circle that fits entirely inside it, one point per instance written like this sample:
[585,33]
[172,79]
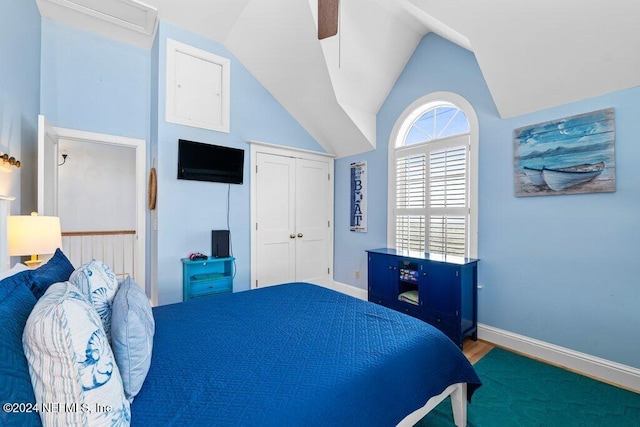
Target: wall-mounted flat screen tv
[206,162]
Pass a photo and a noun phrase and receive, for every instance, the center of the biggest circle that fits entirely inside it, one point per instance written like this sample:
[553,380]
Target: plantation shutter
[448,201]
[411,172]
[432,212]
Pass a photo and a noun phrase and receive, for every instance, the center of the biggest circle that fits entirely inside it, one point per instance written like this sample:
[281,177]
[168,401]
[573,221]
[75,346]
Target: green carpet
[522,392]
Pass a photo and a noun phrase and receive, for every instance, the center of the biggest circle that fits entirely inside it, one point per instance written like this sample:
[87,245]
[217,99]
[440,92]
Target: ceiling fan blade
[327,18]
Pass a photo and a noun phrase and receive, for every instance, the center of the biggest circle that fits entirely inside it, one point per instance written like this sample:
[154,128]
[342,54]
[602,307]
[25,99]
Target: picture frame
[572,155]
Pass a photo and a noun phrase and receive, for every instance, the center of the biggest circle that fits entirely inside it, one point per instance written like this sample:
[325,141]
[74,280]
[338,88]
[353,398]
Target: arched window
[433,177]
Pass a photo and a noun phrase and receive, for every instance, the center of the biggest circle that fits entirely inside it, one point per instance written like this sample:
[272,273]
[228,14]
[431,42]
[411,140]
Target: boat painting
[567,156]
[563,178]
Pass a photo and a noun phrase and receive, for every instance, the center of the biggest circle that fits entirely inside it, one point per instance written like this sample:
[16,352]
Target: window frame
[400,129]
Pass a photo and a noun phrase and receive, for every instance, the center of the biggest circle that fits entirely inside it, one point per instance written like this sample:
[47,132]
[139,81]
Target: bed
[292,354]
[297,354]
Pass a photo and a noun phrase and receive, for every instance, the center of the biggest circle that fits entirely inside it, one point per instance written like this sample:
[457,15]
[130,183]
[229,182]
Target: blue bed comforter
[293,355]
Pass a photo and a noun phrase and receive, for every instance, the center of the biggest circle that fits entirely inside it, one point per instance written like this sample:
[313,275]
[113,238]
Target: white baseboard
[350,290]
[595,367]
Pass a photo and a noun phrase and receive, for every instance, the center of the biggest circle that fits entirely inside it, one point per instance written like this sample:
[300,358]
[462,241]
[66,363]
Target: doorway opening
[95,183]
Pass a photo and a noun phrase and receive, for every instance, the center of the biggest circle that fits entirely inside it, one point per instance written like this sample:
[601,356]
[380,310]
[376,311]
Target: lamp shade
[33,234]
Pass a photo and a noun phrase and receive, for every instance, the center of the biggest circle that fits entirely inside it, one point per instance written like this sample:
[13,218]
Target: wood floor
[475,350]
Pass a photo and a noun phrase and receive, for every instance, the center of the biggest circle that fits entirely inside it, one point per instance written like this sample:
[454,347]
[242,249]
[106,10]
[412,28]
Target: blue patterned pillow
[57,269]
[16,303]
[98,284]
[132,329]
[71,362]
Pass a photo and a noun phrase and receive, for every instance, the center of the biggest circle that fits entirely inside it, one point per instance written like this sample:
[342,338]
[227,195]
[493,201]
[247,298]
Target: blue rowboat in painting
[534,175]
[559,179]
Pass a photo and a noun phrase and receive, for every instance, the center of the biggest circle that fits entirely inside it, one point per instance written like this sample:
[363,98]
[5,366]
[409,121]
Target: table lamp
[33,235]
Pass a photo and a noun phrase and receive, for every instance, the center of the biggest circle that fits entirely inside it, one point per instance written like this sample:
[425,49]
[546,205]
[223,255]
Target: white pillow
[98,284]
[13,270]
[71,363]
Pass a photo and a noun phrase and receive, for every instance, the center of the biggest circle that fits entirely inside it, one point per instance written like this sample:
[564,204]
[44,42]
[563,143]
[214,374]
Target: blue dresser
[441,290]
[206,277]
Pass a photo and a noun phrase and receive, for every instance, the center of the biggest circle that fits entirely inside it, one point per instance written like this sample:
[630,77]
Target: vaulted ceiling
[533,54]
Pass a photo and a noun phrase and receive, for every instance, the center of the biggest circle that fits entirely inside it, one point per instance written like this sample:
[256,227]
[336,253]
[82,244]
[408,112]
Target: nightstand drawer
[212,286]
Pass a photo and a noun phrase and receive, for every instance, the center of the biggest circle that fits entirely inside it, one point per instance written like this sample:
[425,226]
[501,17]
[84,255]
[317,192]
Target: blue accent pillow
[13,270]
[57,269]
[16,303]
[132,329]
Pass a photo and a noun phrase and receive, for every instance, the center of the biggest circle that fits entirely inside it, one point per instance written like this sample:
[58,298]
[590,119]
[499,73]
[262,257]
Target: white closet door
[312,221]
[275,219]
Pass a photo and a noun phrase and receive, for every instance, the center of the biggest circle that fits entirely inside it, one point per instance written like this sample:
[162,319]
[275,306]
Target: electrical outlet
[357,274]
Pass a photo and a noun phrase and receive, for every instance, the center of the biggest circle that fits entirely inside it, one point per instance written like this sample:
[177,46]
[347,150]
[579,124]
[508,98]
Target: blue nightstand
[206,277]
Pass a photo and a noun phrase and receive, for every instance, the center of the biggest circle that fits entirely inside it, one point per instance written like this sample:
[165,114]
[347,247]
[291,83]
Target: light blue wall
[558,268]
[94,84]
[19,99]
[189,210]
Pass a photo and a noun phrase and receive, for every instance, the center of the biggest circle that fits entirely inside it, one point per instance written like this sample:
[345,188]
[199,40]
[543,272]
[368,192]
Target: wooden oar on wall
[327,18]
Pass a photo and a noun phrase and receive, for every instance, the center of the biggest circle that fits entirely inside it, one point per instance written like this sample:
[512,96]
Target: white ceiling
[533,54]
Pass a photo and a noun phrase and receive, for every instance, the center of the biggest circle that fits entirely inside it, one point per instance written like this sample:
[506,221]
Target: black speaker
[220,243]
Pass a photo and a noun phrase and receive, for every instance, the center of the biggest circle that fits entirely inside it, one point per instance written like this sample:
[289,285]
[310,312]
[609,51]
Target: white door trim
[267,147]
[5,262]
[47,133]
[263,147]
[140,146]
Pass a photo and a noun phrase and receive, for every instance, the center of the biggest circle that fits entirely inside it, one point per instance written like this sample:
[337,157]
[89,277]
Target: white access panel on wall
[198,85]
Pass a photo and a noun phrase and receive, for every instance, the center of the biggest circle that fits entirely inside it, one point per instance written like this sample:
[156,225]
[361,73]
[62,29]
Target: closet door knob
[292,236]
[300,234]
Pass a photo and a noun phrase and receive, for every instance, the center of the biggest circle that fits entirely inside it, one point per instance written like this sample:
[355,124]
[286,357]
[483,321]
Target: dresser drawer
[210,286]
[446,324]
[410,309]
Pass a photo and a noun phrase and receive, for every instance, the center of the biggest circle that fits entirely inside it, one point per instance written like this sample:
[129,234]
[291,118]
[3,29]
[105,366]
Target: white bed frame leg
[458,393]
[459,405]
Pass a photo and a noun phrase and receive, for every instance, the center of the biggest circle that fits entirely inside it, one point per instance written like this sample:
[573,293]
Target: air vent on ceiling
[126,13]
